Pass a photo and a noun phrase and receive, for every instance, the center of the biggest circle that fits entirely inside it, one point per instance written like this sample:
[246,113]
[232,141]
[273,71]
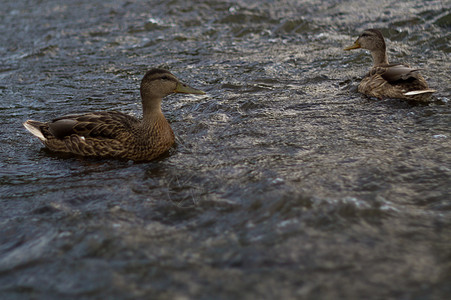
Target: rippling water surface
[285,183]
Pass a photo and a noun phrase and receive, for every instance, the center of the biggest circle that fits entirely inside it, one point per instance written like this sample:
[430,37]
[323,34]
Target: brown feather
[115,134]
[386,80]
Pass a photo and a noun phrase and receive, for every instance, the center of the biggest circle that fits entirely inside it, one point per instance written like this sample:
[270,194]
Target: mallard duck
[386,80]
[115,134]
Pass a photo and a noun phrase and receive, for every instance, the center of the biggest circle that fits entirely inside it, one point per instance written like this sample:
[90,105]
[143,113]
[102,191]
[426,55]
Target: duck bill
[356,45]
[186,89]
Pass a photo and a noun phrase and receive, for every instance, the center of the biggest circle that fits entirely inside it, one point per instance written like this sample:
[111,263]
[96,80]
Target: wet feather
[115,134]
[386,80]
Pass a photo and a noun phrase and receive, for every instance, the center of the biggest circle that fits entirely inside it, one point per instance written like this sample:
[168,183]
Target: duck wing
[108,125]
[395,72]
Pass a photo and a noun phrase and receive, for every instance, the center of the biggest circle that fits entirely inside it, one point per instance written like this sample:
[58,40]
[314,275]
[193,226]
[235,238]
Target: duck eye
[365,34]
[165,78]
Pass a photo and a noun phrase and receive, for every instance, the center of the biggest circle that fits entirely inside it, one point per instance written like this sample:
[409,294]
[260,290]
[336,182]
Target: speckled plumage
[115,134]
[386,80]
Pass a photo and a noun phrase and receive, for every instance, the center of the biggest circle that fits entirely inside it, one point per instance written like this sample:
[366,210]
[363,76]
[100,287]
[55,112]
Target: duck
[385,80]
[113,134]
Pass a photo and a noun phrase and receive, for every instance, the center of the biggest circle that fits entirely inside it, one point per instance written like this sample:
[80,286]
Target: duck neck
[152,113]
[379,57]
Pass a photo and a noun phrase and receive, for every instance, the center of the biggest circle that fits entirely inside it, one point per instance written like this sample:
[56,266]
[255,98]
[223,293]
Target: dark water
[285,182]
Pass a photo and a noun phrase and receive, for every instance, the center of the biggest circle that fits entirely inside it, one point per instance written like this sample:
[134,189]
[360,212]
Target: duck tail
[413,93]
[33,127]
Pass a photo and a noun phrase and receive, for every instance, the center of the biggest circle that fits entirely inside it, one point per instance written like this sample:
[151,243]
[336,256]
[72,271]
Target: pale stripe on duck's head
[370,39]
[373,33]
[158,83]
[156,74]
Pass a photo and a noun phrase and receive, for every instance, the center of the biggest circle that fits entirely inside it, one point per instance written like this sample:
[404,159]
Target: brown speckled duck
[386,80]
[114,134]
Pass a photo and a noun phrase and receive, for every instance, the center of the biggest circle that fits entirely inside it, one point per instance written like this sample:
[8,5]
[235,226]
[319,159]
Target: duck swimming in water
[114,134]
[386,80]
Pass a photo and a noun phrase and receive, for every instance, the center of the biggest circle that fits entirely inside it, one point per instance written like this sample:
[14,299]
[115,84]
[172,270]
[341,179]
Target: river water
[285,183]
